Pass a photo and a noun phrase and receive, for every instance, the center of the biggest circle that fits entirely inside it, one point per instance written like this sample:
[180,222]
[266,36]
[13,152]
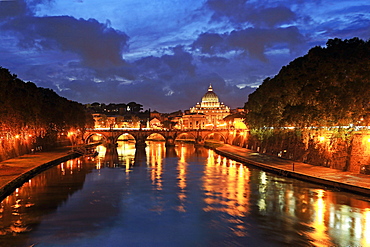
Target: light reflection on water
[182,196]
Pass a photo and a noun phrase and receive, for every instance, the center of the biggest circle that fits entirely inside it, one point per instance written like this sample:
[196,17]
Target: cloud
[251,41]
[273,16]
[167,67]
[214,60]
[180,61]
[209,43]
[12,8]
[167,83]
[243,11]
[96,43]
[256,41]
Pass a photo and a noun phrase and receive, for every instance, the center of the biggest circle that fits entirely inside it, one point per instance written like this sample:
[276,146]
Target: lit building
[155,123]
[207,114]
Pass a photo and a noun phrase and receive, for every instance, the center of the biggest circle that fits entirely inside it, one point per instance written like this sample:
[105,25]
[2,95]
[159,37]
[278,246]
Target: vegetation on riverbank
[32,116]
[330,86]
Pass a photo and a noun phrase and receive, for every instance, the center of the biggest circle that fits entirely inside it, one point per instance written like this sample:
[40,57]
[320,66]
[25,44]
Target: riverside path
[16,171]
[345,181]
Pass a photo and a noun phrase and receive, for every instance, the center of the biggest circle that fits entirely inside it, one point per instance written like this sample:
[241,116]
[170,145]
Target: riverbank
[16,171]
[339,180]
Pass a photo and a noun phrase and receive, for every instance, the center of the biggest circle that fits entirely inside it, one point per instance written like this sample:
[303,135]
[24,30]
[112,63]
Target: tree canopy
[24,107]
[329,86]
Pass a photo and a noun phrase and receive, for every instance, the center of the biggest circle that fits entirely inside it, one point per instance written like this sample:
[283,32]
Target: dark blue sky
[165,53]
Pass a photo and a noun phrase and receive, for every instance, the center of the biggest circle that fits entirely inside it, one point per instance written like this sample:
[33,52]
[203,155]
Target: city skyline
[165,54]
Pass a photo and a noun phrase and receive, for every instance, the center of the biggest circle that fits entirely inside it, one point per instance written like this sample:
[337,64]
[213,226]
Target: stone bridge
[111,135]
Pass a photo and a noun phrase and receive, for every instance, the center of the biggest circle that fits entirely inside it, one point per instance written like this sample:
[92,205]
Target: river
[181,196]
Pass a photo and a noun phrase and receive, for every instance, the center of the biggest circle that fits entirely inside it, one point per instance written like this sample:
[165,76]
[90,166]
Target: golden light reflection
[101,152]
[181,180]
[62,168]
[98,164]
[24,208]
[319,236]
[155,154]
[332,217]
[183,151]
[126,153]
[262,188]
[366,231]
[226,186]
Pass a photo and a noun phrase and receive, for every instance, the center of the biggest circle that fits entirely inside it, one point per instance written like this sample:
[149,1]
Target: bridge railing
[159,130]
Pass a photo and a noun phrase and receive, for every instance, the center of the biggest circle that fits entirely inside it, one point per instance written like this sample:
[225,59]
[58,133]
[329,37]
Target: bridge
[110,136]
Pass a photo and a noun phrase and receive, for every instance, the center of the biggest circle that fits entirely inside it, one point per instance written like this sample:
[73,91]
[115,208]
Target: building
[236,120]
[155,123]
[207,114]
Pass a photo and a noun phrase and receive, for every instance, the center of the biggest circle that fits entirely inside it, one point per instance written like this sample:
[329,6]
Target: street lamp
[71,135]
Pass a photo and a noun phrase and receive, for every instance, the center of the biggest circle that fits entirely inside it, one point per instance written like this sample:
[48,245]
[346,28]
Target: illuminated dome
[207,114]
[210,96]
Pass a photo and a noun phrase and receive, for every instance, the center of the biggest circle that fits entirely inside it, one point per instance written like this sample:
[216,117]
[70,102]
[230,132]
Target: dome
[210,96]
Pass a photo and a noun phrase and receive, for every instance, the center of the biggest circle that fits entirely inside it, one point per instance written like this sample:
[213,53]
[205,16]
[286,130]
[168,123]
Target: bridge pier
[110,143]
[111,156]
[140,156]
[170,151]
[170,142]
[199,141]
[140,144]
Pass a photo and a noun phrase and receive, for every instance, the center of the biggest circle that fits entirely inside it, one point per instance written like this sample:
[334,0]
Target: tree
[326,87]
[29,110]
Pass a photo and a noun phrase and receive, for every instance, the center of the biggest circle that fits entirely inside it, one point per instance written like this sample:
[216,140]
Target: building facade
[207,114]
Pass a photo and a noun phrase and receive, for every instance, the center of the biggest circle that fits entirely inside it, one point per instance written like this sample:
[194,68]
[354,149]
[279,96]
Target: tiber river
[182,196]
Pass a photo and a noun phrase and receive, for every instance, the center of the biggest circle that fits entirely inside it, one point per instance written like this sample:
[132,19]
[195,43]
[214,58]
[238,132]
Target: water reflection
[196,197]
[22,211]
[226,187]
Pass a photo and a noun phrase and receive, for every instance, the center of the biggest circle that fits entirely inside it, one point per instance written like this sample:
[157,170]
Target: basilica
[207,114]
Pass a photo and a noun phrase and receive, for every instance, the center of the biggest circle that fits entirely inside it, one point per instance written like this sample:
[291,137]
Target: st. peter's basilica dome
[210,96]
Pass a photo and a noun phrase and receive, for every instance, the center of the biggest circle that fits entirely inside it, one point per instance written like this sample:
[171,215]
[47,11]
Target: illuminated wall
[345,150]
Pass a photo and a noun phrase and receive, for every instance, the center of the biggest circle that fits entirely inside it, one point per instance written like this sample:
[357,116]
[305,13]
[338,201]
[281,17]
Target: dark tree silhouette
[327,87]
[40,112]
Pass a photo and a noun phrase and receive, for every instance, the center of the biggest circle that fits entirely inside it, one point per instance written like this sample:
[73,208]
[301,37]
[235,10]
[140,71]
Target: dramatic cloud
[255,13]
[164,54]
[96,43]
[12,8]
[253,41]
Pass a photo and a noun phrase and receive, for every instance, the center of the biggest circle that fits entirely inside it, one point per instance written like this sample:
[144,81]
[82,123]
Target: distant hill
[329,86]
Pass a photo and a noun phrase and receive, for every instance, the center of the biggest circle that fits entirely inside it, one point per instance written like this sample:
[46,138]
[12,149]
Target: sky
[164,54]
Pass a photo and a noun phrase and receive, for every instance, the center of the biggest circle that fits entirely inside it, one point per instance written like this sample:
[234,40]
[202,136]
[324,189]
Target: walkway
[14,172]
[346,181]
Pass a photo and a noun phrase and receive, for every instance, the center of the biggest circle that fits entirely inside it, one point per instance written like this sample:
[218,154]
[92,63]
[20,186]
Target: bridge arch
[215,136]
[155,137]
[185,136]
[111,136]
[125,137]
[95,137]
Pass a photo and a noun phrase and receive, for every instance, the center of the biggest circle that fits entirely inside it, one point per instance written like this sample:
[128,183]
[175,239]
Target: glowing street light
[71,135]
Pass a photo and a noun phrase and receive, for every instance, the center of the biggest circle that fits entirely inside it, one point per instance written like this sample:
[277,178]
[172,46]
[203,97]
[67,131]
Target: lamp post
[71,135]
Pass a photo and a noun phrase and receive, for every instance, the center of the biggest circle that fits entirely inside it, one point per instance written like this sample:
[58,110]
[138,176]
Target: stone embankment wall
[14,147]
[342,149]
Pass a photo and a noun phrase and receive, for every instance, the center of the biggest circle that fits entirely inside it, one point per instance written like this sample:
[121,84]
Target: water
[182,196]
